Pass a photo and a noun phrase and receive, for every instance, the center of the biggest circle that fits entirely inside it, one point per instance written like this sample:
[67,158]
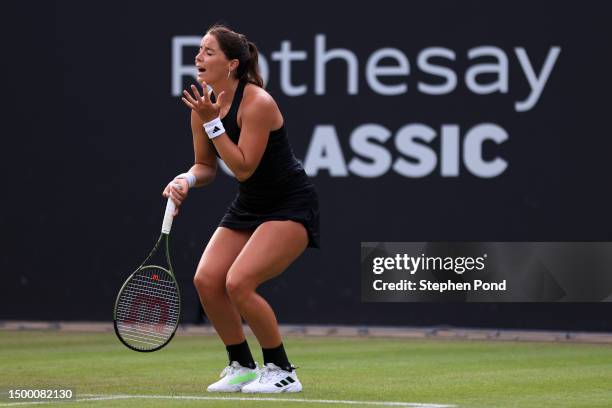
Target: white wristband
[191,179]
[214,128]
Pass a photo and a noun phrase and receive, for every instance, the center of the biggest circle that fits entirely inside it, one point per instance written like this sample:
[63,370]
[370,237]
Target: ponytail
[251,73]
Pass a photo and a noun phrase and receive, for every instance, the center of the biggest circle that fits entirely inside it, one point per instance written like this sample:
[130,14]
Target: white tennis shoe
[233,378]
[273,379]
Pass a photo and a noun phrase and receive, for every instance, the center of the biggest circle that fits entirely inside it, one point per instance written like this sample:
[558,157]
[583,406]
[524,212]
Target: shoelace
[229,370]
[272,370]
[265,371]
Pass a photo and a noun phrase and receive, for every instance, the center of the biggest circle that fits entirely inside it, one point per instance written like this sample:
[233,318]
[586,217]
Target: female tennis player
[271,221]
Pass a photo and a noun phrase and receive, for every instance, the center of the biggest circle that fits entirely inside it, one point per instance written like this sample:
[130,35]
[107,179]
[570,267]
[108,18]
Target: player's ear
[234,65]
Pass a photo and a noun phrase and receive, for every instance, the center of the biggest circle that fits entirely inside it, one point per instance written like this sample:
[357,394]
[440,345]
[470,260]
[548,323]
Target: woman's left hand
[202,105]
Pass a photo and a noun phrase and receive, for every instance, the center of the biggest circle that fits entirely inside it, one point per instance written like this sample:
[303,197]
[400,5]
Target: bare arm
[259,112]
[205,162]
[258,116]
[204,168]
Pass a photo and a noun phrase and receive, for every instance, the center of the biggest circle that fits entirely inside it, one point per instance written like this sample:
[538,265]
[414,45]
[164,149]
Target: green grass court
[460,373]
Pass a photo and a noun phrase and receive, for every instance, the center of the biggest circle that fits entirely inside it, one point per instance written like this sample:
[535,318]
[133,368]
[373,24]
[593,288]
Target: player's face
[211,62]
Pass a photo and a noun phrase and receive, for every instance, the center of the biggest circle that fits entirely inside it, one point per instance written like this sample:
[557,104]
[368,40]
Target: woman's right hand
[177,190]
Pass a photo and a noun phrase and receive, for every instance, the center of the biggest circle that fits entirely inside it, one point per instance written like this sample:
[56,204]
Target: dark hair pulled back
[236,46]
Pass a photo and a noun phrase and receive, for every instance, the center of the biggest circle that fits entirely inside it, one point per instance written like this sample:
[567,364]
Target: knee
[238,290]
[207,284]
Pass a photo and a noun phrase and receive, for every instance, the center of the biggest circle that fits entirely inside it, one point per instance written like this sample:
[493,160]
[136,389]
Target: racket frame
[165,237]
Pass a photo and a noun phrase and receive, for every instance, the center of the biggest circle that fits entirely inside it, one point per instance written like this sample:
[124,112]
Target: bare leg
[221,251]
[271,249]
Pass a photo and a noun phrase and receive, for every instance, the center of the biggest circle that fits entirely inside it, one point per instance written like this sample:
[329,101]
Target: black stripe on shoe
[284,382]
[278,385]
[291,380]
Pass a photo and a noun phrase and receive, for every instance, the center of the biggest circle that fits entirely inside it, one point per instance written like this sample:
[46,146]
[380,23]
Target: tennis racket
[148,306]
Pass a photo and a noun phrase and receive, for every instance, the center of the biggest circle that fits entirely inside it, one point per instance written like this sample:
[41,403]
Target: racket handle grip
[168,216]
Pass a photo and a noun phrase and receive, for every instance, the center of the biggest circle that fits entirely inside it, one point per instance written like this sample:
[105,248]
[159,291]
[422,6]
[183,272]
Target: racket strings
[148,309]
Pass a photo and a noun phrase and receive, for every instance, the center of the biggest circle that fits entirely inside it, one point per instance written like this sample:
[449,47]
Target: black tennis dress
[279,189]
